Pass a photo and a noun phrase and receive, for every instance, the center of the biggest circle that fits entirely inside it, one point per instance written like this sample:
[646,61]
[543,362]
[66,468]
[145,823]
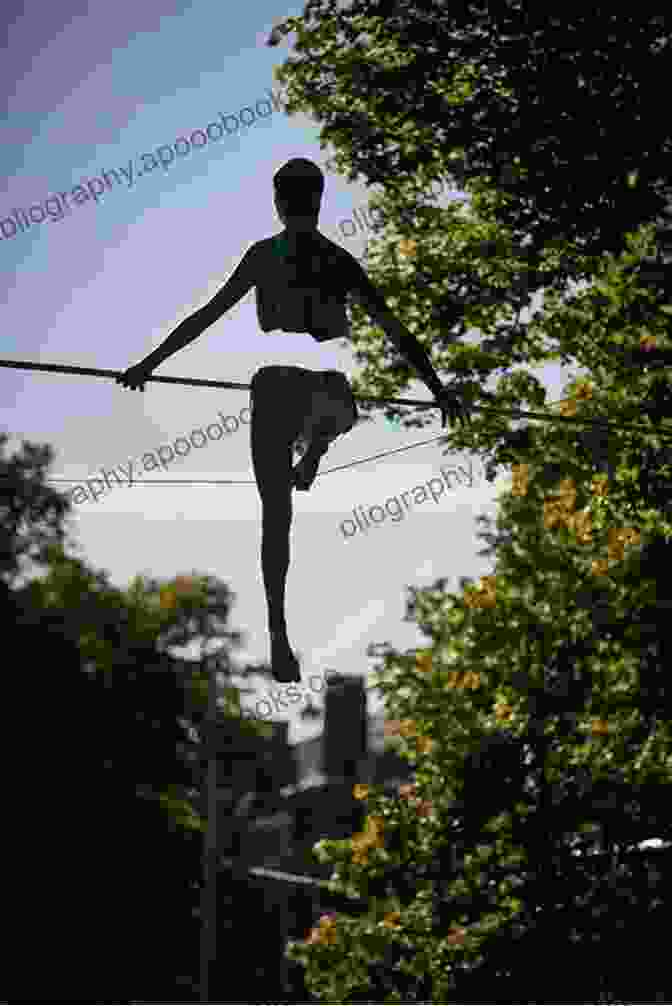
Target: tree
[104,735]
[548,681]
[531,100]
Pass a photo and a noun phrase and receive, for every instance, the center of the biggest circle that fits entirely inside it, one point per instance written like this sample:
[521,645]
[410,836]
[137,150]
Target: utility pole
[209,893]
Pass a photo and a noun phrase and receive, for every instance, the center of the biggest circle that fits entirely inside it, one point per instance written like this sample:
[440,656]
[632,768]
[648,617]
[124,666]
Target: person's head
[297,190]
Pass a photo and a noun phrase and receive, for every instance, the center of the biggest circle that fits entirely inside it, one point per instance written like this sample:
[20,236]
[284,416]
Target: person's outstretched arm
[242,280]
[376,307]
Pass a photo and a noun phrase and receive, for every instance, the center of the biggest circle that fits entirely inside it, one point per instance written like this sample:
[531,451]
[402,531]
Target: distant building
[277,803]
[304,793]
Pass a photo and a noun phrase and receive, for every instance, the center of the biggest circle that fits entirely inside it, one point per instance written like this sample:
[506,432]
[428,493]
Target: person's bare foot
[304,473]
[284,665]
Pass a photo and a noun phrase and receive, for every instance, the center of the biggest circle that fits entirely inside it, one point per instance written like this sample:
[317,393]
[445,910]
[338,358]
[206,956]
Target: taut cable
[58,368]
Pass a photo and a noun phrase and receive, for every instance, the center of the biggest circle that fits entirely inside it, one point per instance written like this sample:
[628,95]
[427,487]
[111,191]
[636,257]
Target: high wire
[238,386]
[59,368]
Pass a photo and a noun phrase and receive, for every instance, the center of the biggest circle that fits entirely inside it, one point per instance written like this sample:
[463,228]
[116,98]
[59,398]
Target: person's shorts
[320,402]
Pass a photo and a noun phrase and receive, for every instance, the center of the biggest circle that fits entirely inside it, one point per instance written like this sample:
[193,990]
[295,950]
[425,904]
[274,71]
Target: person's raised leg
[332,413]
[272,432]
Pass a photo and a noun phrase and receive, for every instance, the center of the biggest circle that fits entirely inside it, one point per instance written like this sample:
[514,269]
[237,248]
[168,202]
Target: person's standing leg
[275,419]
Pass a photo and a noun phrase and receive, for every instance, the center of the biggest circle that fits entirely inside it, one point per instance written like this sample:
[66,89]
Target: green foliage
[537,719]
[31,514]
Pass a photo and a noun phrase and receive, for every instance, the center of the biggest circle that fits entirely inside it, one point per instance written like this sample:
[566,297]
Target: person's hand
[135,377]
[453,407]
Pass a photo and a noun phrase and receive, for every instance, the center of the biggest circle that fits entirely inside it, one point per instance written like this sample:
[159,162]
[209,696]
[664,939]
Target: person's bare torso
[302,285]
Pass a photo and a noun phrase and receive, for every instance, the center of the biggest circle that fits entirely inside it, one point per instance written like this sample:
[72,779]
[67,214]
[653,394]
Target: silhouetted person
[302,281]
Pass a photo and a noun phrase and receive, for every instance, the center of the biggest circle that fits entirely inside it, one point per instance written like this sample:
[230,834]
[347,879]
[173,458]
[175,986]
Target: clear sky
[92,87]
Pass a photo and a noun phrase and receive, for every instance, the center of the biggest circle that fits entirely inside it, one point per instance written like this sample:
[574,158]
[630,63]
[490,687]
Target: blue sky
[90,88]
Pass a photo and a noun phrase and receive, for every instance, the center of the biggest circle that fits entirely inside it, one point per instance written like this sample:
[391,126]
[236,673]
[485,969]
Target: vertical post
[284,936]
[209,894]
